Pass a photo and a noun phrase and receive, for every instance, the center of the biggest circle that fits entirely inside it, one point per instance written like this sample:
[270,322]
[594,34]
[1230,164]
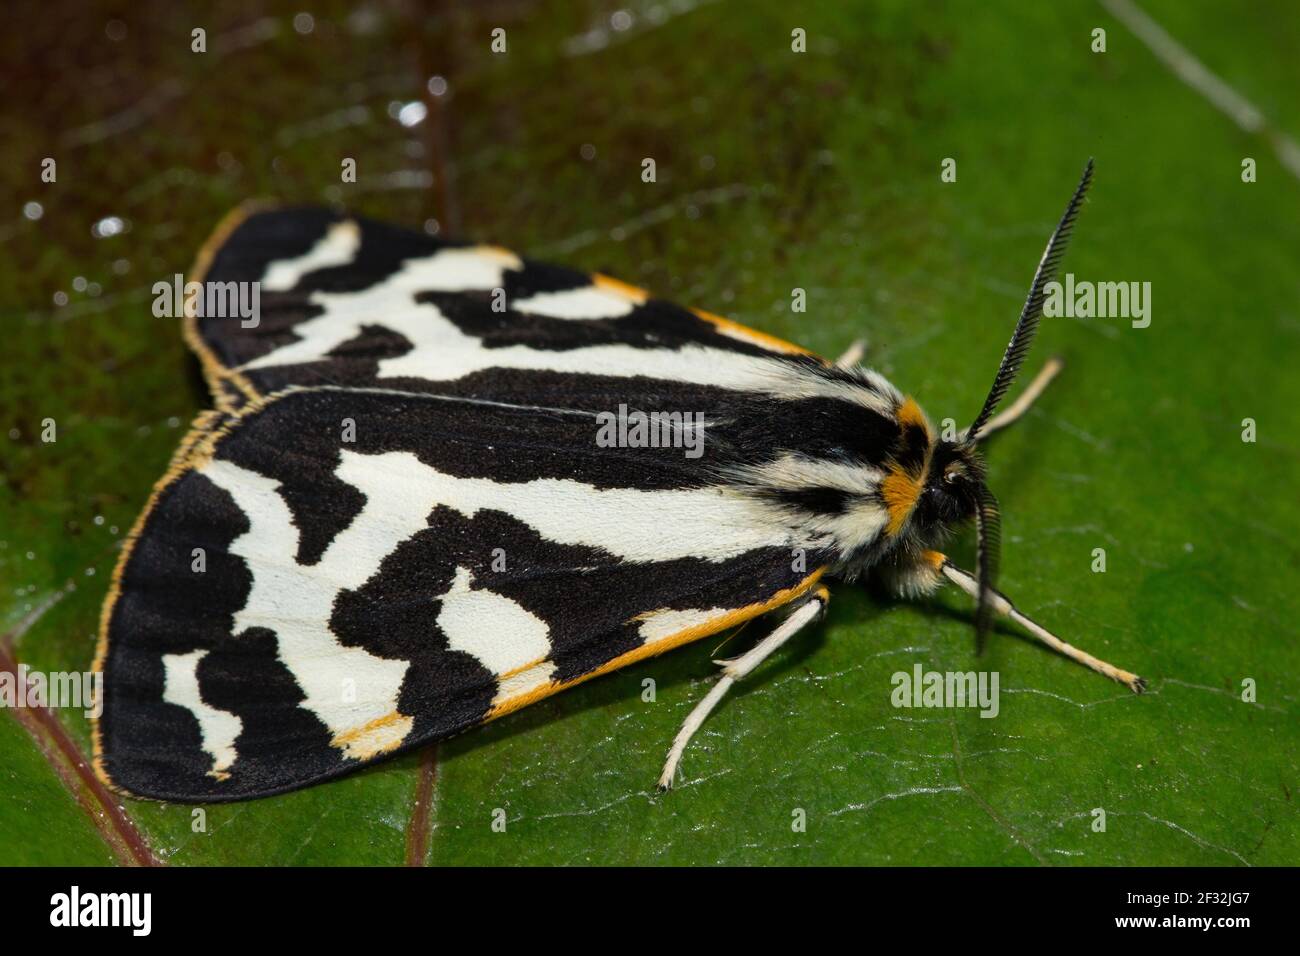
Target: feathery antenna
[1023,336]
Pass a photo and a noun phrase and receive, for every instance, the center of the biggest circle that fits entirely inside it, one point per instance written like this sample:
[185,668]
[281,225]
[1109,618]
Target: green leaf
[775,170]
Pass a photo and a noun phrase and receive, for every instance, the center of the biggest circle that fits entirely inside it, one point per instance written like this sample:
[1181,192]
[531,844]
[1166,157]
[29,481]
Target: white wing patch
[523,682]
[504,636]
[443,353]
[473,268]
[353,692]
[337,247]
[218,728]
[658,625]
[391,303]
[587,302]
[633,524]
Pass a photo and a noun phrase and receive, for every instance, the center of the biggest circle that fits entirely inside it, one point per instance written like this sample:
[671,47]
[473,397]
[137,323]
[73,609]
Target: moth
[399,523]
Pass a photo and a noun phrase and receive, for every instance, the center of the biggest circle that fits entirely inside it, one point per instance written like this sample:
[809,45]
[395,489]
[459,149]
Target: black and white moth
[407,527]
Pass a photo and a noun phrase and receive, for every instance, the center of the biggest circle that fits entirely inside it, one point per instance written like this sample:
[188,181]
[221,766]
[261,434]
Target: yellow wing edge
[214,373]
[659,646]
[197,444]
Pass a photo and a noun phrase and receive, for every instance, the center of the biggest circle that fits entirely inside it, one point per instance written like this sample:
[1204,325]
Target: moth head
[950,495]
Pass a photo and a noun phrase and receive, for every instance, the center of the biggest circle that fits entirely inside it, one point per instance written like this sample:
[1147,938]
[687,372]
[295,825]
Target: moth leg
[1003,606]
[853,354]
[1024,400]
[732,671]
